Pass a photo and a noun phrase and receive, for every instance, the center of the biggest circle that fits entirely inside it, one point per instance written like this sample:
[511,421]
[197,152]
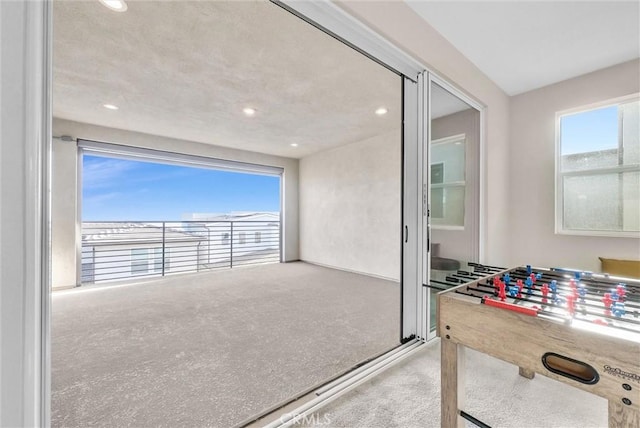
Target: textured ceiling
[524,45]
[187,69]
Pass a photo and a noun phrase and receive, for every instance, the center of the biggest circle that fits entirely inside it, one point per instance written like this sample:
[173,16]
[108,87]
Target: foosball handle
[510,306]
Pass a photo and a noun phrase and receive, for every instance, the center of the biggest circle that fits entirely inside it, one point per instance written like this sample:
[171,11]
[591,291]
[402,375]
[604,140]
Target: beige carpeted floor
[408,395]
[212,349]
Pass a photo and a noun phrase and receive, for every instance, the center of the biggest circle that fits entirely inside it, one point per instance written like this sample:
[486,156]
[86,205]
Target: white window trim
[559,175]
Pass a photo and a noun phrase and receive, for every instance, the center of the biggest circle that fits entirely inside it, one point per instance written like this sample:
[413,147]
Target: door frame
[426,175]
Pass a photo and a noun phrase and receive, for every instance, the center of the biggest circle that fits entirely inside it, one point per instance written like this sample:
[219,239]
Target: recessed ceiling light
[294,145]
[110,106]
[115,5]
[381,111]
[248,111]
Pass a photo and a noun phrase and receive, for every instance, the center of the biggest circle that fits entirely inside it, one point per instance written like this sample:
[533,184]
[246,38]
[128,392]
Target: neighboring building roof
[99,233]
[233,216]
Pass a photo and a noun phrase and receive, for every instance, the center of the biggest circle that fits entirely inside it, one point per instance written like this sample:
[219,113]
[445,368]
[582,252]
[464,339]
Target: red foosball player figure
[520,285]
[502,291]
[545,292]
[571,305]
[622,290]
[607,300]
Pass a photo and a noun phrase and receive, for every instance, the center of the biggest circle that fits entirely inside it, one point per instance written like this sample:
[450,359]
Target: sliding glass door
[451,189]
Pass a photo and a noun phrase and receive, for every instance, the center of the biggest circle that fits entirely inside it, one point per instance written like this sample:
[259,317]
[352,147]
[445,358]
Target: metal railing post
[164,228]
[231,252]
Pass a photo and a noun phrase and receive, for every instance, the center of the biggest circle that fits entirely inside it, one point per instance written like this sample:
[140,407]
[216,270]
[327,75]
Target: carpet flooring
[212,349]
[408,395]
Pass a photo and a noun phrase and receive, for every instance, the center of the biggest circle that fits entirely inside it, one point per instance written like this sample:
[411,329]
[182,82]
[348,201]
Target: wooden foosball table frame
[523,340]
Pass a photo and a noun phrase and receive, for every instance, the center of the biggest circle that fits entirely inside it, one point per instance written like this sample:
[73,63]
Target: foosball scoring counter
[579,328]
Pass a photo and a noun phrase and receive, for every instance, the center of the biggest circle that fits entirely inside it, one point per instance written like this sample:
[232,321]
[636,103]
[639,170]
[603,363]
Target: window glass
[448,182]
[449,207]
[599,169]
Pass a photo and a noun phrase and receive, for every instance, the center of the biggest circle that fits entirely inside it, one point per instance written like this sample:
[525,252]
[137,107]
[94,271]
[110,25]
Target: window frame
[559,175]
[452,139]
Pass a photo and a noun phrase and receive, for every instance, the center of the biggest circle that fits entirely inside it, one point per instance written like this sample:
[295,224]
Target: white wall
[401,25]
[63,214]
[350,206]
[532,193]
[65,209]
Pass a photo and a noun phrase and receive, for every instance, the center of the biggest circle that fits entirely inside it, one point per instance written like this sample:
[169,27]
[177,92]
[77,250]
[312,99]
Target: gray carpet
[212,349]
[408,395]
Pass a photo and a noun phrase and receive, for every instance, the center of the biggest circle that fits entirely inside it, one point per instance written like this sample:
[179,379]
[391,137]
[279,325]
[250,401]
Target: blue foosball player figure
[617,309]
[529,284]
[582,292]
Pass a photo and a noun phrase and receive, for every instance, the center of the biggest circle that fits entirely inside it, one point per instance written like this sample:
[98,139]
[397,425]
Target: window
[598,170]
[225,238]
[139,261]
[242,238]
[448,182]
[258,237]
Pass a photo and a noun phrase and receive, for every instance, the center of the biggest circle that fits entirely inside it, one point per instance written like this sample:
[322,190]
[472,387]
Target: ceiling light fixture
[248,111]
[110,106]
[115,5]
[381,111]
[294,144]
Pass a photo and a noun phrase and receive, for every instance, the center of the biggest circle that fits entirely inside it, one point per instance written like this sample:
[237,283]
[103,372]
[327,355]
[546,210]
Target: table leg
[452,383]
[529,374]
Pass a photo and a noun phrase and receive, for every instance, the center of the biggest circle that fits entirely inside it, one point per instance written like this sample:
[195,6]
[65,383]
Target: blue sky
[117,189]
[590,131]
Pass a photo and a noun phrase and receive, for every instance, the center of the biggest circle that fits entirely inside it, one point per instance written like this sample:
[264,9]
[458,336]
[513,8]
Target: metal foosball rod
[586,301]
[586,293]
[597,285]
[549,314]
[605,285]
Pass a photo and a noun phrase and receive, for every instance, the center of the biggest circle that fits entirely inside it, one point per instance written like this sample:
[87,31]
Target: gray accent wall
[350,207]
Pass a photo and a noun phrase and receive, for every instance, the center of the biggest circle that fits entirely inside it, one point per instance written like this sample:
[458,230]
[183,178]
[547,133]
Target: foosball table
[579,328]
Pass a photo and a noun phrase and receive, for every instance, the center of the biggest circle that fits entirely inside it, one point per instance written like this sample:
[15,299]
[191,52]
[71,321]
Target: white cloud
[102,173]
[97,200]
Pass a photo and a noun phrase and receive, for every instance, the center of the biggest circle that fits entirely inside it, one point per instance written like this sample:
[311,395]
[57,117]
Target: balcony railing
[122,250]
